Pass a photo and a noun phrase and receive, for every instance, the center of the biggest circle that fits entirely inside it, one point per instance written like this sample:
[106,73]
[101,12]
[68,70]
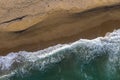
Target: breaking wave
[97,59]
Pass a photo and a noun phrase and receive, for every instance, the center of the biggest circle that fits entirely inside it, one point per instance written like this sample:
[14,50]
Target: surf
[96,59]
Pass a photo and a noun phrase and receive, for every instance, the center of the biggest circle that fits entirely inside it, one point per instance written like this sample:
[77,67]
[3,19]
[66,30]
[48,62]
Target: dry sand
[16,15]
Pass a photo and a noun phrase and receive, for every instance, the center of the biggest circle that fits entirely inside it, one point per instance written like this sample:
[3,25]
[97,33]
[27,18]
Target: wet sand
[62,27]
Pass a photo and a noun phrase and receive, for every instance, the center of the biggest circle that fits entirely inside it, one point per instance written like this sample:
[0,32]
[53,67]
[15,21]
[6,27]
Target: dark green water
[97,59]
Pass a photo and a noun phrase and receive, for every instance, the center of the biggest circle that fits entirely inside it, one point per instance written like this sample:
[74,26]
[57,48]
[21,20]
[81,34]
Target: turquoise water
[97,59]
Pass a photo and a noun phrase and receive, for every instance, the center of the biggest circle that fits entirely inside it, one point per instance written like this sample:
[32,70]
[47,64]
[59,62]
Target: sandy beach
[62,27]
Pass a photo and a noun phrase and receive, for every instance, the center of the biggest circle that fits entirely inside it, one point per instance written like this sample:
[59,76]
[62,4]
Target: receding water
[97,59]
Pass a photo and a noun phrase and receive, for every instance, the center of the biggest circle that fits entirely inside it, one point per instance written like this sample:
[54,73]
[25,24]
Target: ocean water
[97,59]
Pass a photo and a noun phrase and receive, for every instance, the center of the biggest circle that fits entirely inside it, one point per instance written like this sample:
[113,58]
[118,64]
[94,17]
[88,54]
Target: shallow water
[97,59]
